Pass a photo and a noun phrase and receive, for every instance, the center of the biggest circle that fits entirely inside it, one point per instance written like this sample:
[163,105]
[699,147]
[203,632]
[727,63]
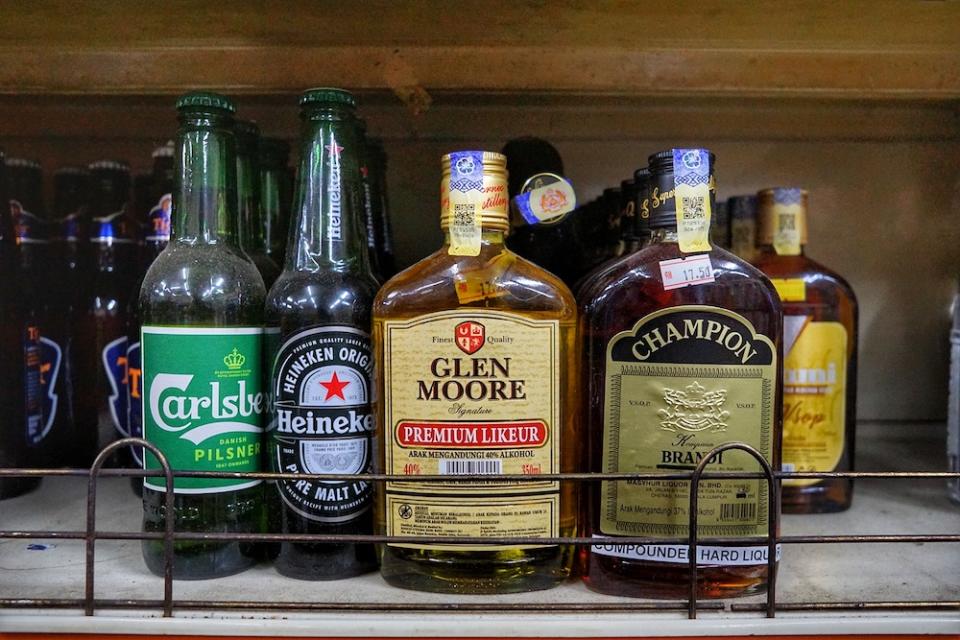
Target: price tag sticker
[685,272]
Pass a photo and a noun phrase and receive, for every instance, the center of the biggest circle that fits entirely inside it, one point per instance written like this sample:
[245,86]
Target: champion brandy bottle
[681,354]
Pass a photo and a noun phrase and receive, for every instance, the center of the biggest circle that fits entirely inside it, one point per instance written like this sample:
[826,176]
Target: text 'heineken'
[201,306]
[318,326]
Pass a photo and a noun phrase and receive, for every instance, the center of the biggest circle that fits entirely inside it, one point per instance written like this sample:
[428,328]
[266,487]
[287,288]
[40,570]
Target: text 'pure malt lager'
[476,359]
[201,306]
[820,355]
[318,326]
[682,353]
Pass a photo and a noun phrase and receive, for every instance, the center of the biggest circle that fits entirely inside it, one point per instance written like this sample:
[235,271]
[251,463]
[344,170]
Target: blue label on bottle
[115,366]
[32,387]
[51,358]
[70,227]
[466,171]
[134,398]
[158,221]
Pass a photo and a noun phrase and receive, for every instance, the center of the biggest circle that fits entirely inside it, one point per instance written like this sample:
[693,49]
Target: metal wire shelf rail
[692,605]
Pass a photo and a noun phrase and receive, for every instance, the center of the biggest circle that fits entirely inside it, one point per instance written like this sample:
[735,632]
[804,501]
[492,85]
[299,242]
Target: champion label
[204,403]
[322,421]
[114,361]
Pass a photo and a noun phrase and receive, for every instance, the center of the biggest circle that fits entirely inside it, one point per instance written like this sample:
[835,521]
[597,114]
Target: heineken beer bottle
[201,308]
[318,316]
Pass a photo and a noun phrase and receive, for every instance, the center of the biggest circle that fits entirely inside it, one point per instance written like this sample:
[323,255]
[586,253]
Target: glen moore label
[472,392]
[322,421]
[681,382]
[202,403]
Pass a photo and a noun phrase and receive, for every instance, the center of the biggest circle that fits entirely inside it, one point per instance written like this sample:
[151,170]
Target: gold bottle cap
[782,219]
[473,191]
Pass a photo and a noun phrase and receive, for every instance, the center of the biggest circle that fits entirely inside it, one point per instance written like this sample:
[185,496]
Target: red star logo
[334,148]
[334,387]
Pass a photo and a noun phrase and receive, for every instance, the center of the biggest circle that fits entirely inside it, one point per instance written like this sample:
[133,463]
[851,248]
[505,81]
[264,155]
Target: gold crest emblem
[694,409]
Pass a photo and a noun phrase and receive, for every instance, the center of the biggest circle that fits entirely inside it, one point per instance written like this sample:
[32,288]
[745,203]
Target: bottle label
[788,220]
[691,176]
[134,399]
[814,396]
[685,272]
[368,207]
[472,392]
[204,403]
[114,361]
[790,289]
[743,234]
[51,357]
[28,228]
[322,421]
[32,385]
[681,382]
[71,227]
[549,199]
[158,221]
[466,196]
[334,190]
[107,229]
[680,553]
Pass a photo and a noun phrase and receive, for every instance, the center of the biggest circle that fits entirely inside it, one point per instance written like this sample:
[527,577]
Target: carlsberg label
[203,403]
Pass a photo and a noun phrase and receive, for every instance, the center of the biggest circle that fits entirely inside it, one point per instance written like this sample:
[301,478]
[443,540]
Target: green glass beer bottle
[252,237]
[201,307]
[318,316]
[275,194]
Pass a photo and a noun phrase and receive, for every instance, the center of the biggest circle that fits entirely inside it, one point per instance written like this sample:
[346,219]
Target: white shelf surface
[822,572]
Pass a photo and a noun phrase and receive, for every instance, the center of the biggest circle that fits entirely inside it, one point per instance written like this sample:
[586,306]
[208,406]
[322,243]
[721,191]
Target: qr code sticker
[463,214]
[693,207]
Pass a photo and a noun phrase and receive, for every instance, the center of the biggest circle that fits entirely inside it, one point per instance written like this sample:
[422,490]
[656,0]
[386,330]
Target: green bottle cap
[327,95]
[205,99]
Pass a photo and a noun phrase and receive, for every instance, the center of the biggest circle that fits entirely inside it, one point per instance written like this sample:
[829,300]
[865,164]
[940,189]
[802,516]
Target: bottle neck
[491,240]
[204,197]
[328,231]
[271,203]
[248,203]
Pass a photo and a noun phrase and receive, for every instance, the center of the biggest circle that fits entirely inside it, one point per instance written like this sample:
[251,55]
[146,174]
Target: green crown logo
[234,359]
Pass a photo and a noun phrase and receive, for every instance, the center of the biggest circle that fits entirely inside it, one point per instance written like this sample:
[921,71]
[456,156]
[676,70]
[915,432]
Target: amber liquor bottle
[682,353]
[820,355]
[475,365]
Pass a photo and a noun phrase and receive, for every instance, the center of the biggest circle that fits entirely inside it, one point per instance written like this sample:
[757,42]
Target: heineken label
[203,403]
[322,421]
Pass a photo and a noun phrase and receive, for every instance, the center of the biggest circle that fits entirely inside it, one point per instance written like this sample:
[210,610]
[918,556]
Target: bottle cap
[70,170]
[109,165]
[23,163]
[663,210]
[782,219]
[205,100]
[327,96]
[164,151]
[474,192]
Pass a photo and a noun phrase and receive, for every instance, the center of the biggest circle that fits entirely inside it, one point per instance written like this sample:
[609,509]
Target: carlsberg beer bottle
[318,323]
[201,306]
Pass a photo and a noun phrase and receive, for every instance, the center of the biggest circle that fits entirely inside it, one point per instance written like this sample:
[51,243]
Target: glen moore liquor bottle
[682,354]
[201,308]
[820,355]
[475,352]
[318,316]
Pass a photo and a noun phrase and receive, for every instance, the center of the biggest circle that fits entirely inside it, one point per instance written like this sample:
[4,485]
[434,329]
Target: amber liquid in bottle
[825,297]
[631,290]
[498,281]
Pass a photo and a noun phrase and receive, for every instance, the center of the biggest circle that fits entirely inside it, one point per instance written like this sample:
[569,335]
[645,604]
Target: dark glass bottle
[101,347]
[201,309]
[153,216]
[19,364]
[820,355]
[318,320]
[370,193]
[252,233]
[383,225]
[275,195]
[44,339]
[673,370]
